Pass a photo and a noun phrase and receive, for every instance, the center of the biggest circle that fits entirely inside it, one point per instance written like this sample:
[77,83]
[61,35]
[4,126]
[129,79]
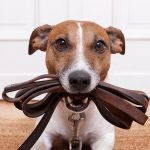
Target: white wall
[19,17]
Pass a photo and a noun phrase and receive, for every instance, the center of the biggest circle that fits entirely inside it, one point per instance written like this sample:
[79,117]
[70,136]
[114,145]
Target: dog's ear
[39,38]
[117,40]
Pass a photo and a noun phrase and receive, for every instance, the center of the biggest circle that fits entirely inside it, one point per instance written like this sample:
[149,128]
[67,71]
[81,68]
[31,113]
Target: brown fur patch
[117,40]
[57,61]
[99,62]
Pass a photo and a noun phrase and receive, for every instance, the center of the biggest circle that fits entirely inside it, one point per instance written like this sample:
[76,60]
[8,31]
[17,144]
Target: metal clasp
[75,143]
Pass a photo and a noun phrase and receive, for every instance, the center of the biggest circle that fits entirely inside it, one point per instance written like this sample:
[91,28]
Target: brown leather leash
[117,105]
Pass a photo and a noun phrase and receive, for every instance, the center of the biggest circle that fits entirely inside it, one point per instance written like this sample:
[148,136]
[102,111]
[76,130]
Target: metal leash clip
[75,143]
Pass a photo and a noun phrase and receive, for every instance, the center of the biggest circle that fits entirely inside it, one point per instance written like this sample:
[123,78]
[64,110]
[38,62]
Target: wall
[19,18]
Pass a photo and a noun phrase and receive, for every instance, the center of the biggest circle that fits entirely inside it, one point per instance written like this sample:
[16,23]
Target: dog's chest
[91,128]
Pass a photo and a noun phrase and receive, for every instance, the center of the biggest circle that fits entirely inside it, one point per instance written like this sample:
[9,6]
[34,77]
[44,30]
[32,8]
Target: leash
[117,105]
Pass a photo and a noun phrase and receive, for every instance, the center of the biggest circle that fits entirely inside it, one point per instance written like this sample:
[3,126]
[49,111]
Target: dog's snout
[79,80]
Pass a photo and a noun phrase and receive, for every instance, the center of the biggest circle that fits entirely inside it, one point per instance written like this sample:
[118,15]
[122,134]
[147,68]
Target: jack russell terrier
[79,52]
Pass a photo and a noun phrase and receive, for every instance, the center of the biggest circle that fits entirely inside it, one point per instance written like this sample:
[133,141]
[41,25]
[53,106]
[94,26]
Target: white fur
[94,130]
[79,63]
[106,142]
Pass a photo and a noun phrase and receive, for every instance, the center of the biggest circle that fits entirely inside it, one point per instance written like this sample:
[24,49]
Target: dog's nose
[79,80]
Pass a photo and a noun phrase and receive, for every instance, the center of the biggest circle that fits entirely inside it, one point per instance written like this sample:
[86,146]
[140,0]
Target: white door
[19,17]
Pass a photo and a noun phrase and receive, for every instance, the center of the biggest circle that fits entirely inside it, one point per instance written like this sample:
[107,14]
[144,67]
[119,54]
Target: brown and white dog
[79,52]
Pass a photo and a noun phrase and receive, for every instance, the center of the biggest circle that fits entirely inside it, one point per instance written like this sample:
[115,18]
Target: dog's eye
[100,46]
[60,44]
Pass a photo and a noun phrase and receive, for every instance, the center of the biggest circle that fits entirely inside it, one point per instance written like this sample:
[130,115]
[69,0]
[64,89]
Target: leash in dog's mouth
[117,105]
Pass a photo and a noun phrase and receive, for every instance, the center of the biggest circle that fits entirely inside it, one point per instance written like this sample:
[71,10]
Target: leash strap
[117,105]
[114,104]
[34,136]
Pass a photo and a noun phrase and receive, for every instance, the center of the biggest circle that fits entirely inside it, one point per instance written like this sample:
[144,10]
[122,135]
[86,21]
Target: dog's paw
[105,143]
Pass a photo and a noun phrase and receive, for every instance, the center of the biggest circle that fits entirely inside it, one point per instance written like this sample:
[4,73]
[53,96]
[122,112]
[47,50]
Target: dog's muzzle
[79,82]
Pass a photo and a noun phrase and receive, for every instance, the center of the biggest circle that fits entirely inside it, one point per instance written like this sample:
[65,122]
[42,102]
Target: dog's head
[79,52]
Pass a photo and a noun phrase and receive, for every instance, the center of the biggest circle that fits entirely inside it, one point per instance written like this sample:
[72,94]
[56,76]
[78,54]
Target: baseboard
[136,81]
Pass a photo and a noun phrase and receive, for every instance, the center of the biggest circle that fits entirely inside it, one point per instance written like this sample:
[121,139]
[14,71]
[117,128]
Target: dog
[79,52]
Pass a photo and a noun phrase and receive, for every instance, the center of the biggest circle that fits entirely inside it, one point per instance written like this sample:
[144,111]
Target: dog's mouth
[77,103]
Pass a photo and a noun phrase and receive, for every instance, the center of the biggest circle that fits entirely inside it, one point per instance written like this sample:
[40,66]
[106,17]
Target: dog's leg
[105,143]
[43,143]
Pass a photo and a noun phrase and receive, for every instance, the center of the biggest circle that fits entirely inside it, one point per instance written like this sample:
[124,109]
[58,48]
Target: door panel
[19,18]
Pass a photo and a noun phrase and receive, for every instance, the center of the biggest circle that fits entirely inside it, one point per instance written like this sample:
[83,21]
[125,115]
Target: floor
[15,127]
